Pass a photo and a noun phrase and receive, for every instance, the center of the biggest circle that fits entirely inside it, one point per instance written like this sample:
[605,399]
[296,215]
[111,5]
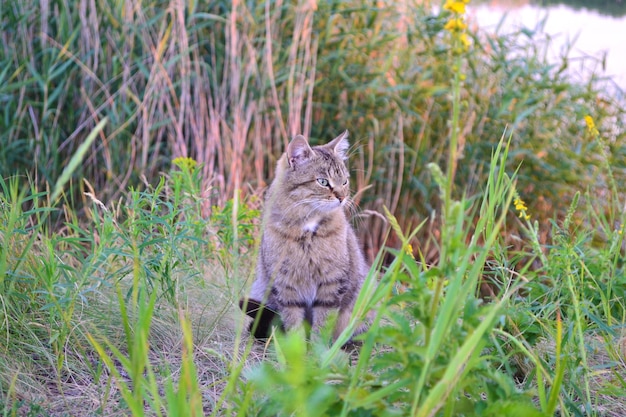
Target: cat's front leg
[320,313]
[293,302]
[343,319]
[292,316]
[344,316]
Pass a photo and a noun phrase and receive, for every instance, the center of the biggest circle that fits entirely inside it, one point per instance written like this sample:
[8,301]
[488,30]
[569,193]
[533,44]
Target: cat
[309,260]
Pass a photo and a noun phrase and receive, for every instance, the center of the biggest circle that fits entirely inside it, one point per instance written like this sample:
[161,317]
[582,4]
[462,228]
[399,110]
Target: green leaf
[76,160]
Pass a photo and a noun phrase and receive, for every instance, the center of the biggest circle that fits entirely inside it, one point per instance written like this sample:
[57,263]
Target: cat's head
[317,177]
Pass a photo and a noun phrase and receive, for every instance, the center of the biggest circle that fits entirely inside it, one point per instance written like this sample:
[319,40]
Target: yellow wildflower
[185,163]
[591,126]
[521,207]
[519,204]
[465,40]
[455,25]
[455,6]
[409,250]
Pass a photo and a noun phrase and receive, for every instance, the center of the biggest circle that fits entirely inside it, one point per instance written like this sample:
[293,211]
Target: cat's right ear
[340,145]
[298,151]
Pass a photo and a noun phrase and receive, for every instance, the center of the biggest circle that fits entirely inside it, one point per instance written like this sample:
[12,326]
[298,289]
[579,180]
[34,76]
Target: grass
[228,83]
[122,299]
[79,306]
[134,312]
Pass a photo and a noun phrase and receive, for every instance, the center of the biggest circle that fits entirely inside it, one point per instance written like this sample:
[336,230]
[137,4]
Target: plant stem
[454,137]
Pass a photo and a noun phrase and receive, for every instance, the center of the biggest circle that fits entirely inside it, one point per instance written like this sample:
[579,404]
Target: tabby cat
[309,260]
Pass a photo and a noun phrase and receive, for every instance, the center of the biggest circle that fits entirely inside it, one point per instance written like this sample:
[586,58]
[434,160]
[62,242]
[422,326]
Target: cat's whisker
[316,204]
[305,200]
[354,211]
[302,202]
[315,207]
[351,206]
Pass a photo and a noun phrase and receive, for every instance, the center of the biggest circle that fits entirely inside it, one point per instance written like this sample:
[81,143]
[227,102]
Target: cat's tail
[263,317]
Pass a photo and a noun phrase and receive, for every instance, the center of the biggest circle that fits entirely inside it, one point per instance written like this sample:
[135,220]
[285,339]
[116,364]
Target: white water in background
[591,33]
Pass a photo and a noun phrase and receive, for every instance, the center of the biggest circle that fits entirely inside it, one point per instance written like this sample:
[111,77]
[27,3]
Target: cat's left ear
[298,151]
[340,145]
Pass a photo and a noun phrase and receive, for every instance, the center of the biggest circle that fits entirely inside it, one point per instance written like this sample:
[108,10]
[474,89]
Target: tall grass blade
[76,159]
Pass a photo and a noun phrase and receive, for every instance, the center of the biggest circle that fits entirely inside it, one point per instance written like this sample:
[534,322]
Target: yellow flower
[591,126]
[409,250]
[519,204]
[185,163]
[521,207]
[455,25]
[455,6]
[465,40]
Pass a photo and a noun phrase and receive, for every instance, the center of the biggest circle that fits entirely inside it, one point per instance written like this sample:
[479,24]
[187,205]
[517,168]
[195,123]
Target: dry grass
[606,364]
[85,386]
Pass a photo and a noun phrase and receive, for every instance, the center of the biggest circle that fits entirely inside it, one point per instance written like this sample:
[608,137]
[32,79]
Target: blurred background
[588,28]
[227,83]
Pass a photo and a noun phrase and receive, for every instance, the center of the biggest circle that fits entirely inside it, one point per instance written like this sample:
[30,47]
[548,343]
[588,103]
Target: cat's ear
[340,145]
[298,151]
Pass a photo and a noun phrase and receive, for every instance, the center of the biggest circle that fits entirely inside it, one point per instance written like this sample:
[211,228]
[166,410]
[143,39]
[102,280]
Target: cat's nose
[340,197]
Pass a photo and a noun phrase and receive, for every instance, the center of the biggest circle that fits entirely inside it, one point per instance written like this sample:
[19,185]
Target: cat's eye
[323,182]
[345,182]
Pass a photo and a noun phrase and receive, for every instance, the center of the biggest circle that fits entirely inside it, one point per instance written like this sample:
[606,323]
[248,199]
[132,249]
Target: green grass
[118,295]
[107,297]
[134,312]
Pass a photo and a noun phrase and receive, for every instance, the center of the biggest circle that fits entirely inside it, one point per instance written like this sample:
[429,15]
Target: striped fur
[309,260]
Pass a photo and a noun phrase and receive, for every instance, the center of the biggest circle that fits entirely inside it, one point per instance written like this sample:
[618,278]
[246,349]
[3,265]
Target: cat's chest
[321,234]
[311,226]
[310,236]
[311,252]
